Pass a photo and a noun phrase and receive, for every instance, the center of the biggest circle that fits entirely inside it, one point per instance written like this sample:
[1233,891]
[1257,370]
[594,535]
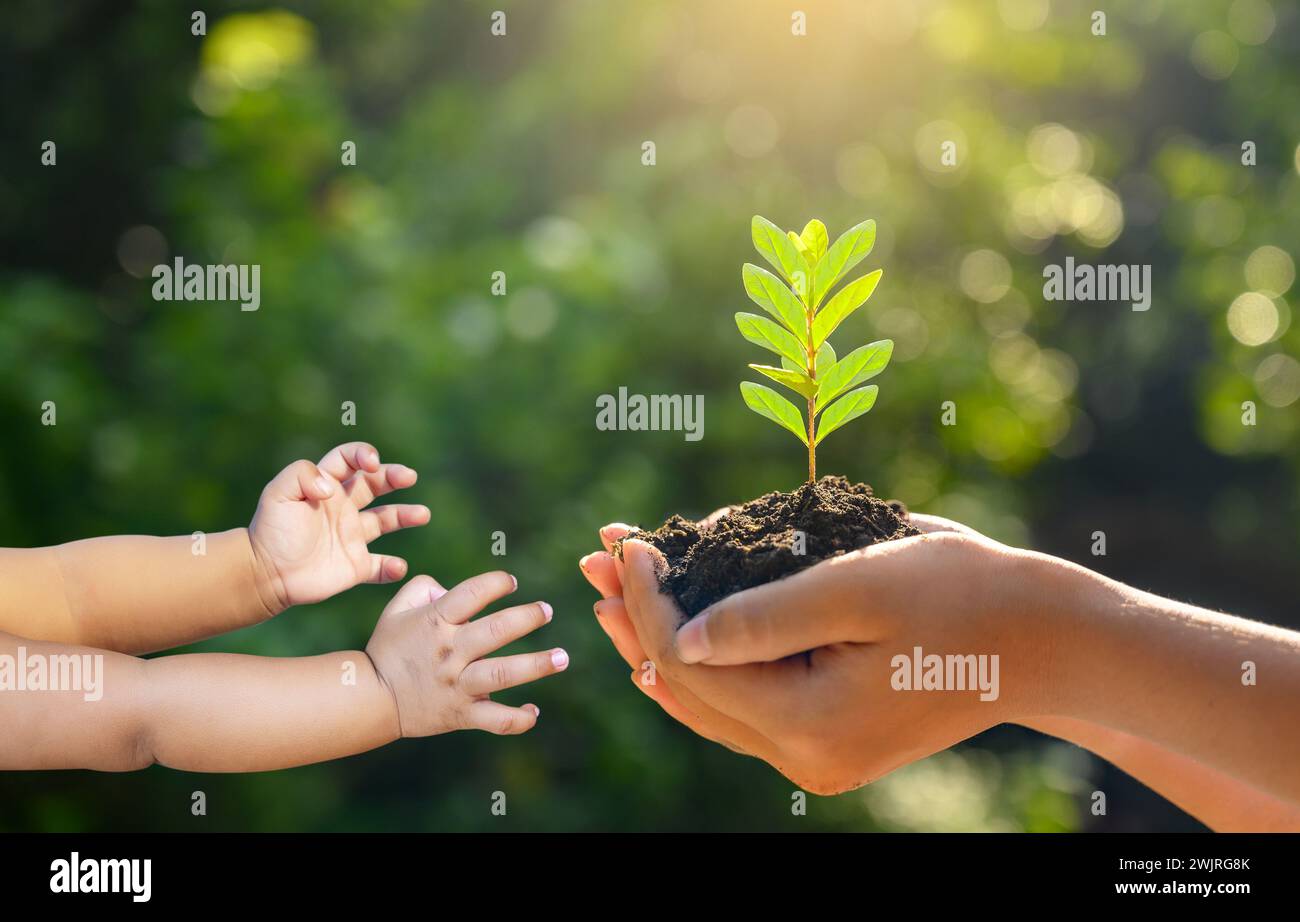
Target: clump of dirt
[756,543]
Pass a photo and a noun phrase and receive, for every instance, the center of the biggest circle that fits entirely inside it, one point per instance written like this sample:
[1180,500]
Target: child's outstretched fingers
[501,719]
[311,532]
[385,519]
[385,569]
[492,632]
[465,600]
[365,486]
[342,461]
[486,676]
[429,654]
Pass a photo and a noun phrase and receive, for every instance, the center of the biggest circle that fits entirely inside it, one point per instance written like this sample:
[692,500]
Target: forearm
[228,713]
[201,712]
[65,706]
[1222,802]
[1174,675]
[132,593]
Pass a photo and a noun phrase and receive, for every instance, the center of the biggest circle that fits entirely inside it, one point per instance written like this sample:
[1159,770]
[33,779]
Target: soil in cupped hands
[756,542]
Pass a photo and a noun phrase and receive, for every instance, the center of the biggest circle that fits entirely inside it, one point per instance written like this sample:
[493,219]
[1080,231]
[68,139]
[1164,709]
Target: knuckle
[746,632]
[499,675]
[474,590]
[506,724]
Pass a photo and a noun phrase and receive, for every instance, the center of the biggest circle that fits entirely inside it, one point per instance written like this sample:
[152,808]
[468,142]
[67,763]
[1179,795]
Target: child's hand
[428,653]
[311,527]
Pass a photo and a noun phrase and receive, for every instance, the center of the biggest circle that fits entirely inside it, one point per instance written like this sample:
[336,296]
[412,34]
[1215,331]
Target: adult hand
[833,718]
[602,570]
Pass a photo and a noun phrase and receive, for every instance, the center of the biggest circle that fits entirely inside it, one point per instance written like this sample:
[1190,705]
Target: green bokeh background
[523,153]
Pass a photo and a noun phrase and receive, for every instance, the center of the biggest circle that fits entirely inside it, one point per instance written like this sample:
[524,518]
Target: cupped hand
[832,717]
[602,570]
[312,528]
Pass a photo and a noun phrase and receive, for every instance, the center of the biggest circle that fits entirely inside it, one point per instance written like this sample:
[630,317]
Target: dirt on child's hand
[431,656]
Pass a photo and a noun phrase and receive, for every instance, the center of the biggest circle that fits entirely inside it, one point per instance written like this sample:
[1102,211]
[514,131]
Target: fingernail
[547,611]
[582,562]
[559,659]
[514,579]
[324,486]
[596,608]
[693,641]
[537,712]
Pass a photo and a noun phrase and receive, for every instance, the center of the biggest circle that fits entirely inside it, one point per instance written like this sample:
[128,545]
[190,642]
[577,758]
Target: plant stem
[812,373]
[812,441]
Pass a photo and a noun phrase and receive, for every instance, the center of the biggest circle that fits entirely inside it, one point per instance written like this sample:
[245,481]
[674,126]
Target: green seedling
[801,324]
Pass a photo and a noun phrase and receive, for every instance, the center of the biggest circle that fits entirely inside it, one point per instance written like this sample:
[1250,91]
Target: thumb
[417,592]
[810,609]
[301,480]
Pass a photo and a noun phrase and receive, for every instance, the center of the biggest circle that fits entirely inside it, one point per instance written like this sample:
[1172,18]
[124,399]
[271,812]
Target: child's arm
[201,712]
[422,673]
[308,541]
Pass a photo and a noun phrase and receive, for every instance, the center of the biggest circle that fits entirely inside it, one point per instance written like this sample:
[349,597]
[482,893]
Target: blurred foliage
[522,153]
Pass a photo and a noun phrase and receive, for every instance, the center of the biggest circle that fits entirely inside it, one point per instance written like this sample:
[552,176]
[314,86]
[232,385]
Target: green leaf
[797,381]
[862,364]
[815,240]
[824,359]
[846,301]
[766,402]
[777,249]
[803,273]
[801,247]
[852,247]
[766,333]
[850,406]
[772,295]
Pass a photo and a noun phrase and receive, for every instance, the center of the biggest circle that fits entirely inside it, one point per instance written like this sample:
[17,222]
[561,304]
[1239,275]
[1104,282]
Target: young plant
[801,325]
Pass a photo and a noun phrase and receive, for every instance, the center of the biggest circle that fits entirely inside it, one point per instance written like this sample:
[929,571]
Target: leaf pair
[766,402]
[836,378]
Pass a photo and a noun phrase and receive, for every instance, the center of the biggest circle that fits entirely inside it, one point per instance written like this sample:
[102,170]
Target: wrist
[1064,613]
[387,700]
[266,578]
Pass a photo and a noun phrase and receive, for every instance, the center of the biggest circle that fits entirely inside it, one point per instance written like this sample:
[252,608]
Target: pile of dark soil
[755,543]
